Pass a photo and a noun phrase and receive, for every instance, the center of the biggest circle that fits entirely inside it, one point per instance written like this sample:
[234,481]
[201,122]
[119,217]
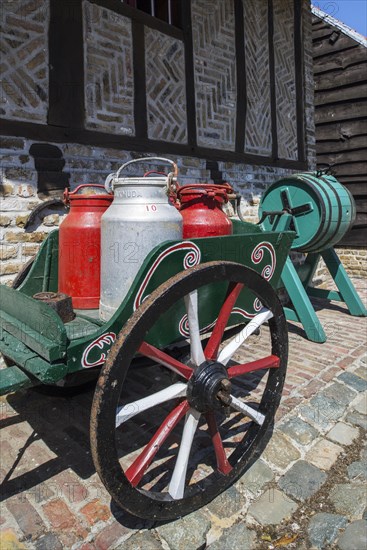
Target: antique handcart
[187,392]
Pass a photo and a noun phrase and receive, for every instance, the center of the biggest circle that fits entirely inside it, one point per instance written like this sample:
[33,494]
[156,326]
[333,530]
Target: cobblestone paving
[308,490]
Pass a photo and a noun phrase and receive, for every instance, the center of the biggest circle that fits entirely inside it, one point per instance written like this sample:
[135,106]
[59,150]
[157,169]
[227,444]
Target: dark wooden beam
[138,15]
[66,62]
[341,130]
[140,101]
[340,61]
[343,43]
[189,74]
[357,237]
[241,106]
[352,143]
[348,111]
[94,138]
[299,75]
[344,77]
[273,102]
[354,92]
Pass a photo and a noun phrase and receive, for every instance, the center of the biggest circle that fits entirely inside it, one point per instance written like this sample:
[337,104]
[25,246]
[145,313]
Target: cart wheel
[164,449]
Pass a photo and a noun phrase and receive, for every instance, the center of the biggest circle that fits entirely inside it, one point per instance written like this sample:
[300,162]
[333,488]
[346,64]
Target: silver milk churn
[139,218]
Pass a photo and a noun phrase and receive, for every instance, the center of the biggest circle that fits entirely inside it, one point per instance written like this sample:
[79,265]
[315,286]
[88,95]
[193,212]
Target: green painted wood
[32,338]
[331,209]
[344,284]
[243,228]
[36,339]
[295,278]
[16,350]
[291,315]
[236,248]
[301,303]
[43,275]
[344,208]
[14,379]
[325,294]
[303,272]
[47,373]
[312,261]
[80,326]
[33,323]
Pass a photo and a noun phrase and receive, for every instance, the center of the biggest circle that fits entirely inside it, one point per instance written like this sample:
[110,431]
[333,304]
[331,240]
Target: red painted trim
[267,272]
[270,362]
[222,462]
[258,255]
[191,259]
[211,349]
[103,342]
[140,465]
[161,357]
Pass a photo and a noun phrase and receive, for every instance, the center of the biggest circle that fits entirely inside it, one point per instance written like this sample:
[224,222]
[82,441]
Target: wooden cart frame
[192,306]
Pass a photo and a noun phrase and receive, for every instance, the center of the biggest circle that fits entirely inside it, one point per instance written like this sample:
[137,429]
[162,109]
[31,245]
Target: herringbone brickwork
[258,116]
[165,84]
[215,72]
[24,59]
[109,84]
[285,85]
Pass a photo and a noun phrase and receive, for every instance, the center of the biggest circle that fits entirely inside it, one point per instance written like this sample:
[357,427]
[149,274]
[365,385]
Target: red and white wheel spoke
[140,465]
[166,360]
[137,469]
[135,407]
[177,484]
[196,348]
[222,462]
[212,347]
[270,362]
[230,349]
[252,413]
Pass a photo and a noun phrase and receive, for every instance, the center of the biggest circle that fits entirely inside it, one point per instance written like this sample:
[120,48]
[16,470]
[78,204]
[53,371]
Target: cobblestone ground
[308,490]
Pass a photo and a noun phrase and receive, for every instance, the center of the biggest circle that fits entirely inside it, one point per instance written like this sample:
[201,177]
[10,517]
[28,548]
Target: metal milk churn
[80,245]
[140,217]
[201,209]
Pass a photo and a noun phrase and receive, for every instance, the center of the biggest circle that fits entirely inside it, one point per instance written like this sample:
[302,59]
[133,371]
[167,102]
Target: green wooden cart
[186,394]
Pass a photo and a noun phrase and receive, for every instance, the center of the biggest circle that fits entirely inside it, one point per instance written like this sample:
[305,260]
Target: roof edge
[339,25]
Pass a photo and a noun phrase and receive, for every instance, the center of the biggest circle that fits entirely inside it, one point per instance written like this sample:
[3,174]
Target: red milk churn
[201,209]
[80,245]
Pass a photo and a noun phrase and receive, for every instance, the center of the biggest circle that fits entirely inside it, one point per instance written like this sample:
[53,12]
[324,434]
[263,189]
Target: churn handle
[110,177]
[67,192]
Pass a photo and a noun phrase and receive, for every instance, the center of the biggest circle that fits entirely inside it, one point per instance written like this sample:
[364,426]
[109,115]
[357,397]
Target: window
[166,10]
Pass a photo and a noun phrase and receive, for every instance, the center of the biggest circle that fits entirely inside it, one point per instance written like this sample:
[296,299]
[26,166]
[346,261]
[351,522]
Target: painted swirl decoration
[258,255]
[191,259]
[183,327]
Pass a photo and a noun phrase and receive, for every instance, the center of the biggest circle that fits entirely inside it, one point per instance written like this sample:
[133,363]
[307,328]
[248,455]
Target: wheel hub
[209,387]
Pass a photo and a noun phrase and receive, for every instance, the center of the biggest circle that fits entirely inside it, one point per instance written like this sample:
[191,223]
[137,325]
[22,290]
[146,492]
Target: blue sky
[351,12]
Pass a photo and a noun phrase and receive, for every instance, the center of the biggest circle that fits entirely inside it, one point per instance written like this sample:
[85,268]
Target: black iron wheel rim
[160,506]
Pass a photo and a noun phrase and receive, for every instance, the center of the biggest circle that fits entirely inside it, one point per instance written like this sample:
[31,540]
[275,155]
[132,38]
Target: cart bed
[38,342]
